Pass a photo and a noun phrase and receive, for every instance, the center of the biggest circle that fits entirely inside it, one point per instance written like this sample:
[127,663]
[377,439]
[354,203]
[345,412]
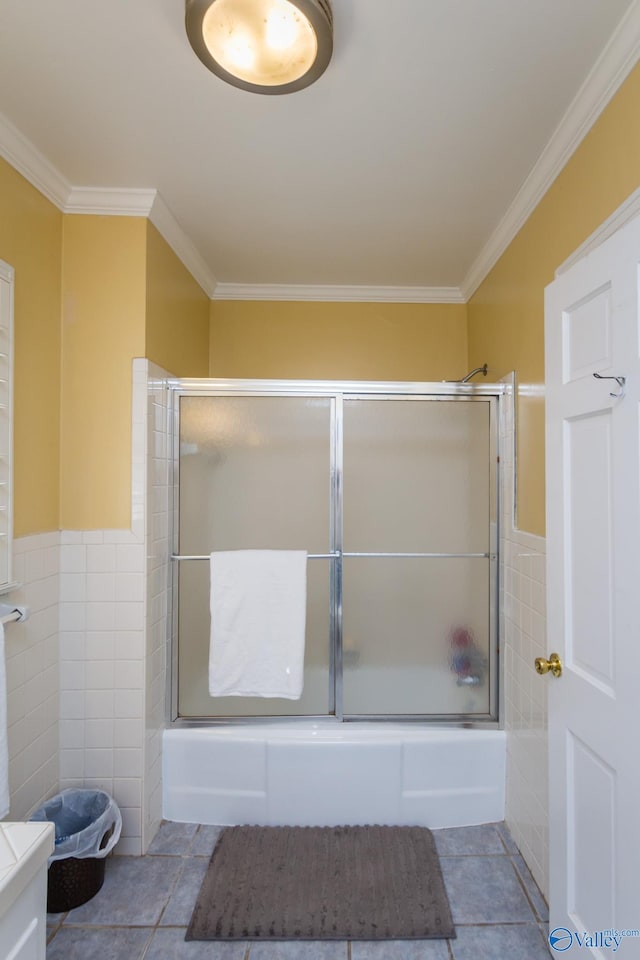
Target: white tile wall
[522,639]
[101,656]
[31,650]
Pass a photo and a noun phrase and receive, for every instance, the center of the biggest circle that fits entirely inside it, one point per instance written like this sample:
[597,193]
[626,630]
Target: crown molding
[342,293]
[183,247]
[147,203]
[33,165]
[104,201]
[110,201]
[605,78]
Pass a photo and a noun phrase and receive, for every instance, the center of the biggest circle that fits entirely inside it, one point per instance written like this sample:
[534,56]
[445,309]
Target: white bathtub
[324,774]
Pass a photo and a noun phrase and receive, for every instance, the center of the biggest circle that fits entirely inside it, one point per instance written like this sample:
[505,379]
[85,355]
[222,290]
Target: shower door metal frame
[337,392]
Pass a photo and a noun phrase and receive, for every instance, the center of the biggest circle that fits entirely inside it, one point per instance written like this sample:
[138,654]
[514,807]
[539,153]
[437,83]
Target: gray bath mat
[322,883]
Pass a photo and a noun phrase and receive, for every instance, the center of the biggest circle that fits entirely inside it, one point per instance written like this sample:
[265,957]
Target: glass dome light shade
[265,46]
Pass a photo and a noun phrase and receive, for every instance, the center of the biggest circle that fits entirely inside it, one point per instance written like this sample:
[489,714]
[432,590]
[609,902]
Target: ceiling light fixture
[265,46]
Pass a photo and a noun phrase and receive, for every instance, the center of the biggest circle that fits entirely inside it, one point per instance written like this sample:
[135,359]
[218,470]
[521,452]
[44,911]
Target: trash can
[87,827]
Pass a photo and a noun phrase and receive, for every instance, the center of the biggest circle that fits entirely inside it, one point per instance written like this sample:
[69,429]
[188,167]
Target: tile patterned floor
[143,909]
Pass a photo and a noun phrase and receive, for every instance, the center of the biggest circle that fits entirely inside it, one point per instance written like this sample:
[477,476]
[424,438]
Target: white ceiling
[394,170]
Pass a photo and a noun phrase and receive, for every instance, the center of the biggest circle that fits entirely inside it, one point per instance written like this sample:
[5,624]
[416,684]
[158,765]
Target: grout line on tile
[503,840]
[526,892]
[499,923]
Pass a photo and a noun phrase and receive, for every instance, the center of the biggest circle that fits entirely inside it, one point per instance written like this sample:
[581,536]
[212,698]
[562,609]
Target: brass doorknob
[552,665]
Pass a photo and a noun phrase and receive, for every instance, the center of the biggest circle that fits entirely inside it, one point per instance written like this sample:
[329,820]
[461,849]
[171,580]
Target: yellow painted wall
[122,288]
[103,328]
[177,314]
[31,242]
[506,314]
[338,341]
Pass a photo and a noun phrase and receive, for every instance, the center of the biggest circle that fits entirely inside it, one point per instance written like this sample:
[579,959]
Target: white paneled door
[593,549]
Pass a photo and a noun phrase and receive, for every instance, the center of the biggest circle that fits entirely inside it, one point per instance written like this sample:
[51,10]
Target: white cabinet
[24,851]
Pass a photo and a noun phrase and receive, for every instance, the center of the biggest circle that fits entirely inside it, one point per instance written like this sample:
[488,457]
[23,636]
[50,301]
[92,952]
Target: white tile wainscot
[102,670]
[31,650]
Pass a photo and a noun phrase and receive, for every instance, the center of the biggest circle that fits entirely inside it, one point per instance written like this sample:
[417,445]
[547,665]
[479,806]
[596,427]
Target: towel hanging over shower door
[258,613]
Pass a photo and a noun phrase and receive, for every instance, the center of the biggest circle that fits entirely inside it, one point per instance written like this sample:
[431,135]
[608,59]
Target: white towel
[4,747]
[258,610]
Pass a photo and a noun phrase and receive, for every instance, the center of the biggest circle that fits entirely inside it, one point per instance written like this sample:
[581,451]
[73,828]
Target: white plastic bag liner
[87,823]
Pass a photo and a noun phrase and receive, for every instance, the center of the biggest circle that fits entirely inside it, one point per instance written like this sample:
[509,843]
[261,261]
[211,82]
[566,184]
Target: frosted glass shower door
[255,473]
[419,501]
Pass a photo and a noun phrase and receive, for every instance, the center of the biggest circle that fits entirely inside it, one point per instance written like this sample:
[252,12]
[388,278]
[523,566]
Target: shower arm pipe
[484,369]
[336,555]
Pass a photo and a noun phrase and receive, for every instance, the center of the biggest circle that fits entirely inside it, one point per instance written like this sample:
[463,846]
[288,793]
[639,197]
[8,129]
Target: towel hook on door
[619,380]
